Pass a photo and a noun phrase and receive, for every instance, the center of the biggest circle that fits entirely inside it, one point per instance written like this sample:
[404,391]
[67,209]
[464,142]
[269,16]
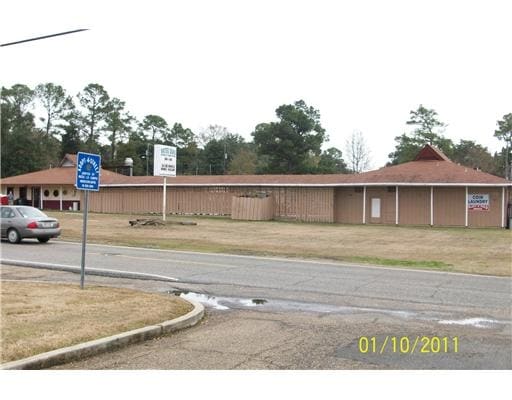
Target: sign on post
[164,164]
[164,160]
[88,168]
[88,171]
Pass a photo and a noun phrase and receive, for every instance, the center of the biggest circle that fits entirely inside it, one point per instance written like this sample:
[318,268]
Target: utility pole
[225,156]
[508,166]
[147,159]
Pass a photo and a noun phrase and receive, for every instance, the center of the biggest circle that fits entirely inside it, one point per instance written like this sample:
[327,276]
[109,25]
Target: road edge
[97,346]
[111,273]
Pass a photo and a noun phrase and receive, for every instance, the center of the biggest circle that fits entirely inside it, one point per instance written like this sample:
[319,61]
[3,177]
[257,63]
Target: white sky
[363,64]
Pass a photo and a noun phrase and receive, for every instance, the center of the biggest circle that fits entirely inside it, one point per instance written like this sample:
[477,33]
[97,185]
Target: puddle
[227,303]
[211,301]
[252,302]
[477,322]
[218,303]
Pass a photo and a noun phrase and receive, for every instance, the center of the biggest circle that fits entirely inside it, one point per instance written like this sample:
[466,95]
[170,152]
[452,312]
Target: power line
[42,37]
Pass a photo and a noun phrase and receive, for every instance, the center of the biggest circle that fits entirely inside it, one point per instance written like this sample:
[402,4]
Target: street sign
[88,167]
[164,162]
[88,171]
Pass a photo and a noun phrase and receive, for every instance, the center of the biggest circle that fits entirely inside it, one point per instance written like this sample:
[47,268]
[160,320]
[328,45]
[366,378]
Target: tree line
[95,122]
[428,128]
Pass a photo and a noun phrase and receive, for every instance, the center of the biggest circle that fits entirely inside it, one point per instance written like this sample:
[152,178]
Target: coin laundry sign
[478,202]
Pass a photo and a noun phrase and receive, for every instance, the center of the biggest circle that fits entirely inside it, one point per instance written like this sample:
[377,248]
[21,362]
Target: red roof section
[69,158]
[433,167]
[220,180]
[429,172]
[414,172]
[430,152]
[56,176]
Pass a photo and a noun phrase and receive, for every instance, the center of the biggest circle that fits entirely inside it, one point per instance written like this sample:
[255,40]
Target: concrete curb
[89,271]
[87,349]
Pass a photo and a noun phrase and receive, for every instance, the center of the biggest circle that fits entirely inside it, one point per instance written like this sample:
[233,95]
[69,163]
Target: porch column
[396,205]
[503,207]
[60,198]
[431,205]
[466,208]
[364,204]
[41,198]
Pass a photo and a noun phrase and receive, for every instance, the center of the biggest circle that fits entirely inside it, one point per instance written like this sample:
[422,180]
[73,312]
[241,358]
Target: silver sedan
[20,222]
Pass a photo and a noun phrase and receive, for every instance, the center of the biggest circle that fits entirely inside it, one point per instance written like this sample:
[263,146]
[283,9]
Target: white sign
[478,202]
[164,160]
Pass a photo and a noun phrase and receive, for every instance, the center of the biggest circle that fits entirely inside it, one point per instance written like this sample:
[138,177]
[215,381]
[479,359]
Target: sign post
[84,238]
[164,200]
[164,164]
[88,169]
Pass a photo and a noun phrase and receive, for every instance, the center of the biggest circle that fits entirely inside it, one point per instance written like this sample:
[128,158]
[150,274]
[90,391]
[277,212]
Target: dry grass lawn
[39,317]
[480,251]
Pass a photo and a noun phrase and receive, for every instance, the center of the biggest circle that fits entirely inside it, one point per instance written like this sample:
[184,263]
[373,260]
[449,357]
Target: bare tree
[213,132]
[357,153]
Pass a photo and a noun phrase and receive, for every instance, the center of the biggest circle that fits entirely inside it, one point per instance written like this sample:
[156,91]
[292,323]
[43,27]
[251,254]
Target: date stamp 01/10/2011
[408,345]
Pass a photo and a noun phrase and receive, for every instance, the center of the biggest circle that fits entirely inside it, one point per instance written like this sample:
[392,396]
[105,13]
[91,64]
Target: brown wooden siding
[308,204]
[387,205]
[126,200]
[349,205]
[207,200]
[414,205]
[343,205]
[487,218]
[449,206]
[301,204]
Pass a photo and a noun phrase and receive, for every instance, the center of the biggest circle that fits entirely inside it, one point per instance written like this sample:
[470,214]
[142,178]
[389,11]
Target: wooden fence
[252,208]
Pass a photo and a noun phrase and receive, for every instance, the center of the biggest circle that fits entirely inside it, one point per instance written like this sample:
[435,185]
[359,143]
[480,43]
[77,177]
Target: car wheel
[43,240]
[13,236]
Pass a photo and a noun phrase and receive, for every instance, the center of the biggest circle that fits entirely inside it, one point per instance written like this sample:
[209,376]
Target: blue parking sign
[88,167]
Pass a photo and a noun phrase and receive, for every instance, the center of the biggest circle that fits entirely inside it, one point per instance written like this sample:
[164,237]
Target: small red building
[50,189]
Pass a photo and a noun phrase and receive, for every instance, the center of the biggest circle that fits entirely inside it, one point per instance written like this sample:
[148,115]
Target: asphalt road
[275,313]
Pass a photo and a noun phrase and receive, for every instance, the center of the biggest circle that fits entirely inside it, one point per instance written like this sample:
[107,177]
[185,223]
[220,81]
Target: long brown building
[431,190]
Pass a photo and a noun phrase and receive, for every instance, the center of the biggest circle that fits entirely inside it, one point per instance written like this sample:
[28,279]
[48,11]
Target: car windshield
[31,212]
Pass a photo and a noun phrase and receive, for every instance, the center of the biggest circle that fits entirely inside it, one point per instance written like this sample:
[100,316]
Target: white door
[375,208]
